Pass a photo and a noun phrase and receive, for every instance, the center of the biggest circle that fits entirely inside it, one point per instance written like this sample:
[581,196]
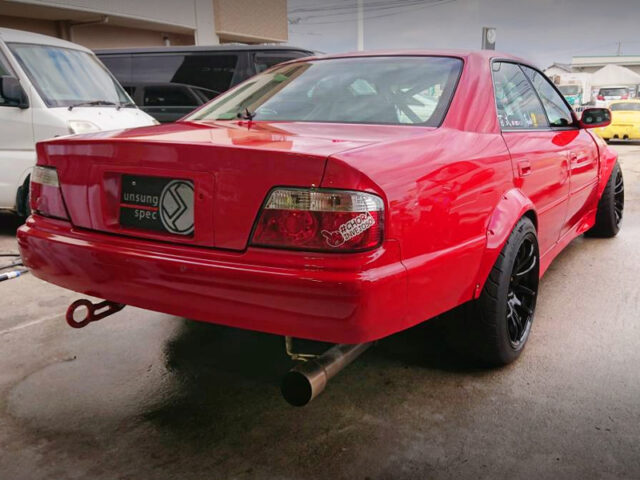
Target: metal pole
[360,25]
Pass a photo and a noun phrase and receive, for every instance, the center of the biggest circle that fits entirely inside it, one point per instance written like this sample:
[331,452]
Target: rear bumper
[334,298]
[619,131]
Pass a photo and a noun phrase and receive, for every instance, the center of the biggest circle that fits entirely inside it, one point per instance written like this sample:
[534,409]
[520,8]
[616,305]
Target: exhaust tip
[307,380]
[296,389]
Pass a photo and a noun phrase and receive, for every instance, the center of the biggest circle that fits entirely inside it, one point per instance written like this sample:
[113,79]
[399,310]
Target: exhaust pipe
[307,380]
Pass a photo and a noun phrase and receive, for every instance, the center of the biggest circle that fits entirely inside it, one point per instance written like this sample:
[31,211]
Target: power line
[390,6]
[352,6]
[432,3]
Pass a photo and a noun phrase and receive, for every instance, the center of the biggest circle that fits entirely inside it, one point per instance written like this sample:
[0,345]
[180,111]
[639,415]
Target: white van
[48,88]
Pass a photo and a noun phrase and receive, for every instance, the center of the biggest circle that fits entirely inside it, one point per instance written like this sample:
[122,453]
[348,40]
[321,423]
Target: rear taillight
[321,220]
[46,197]
[600,97]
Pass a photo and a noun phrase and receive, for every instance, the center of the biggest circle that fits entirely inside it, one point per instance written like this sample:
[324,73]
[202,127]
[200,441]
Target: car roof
[163,84]
[10,35]
[486,55]
[229,47]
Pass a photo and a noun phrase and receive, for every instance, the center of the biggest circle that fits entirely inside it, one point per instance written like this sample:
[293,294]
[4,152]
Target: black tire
[22,200]
[610,207]
[496,326]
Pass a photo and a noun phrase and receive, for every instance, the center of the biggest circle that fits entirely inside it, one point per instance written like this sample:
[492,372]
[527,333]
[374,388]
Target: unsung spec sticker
[156,203]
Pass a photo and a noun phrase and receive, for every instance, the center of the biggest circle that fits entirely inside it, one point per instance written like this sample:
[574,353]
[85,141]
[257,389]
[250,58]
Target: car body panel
[281,154]
[625,124]
[342,299]
[452,195]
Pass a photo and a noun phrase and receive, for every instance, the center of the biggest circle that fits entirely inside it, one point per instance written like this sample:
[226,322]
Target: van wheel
[22,199]
[496,326]
[610,207]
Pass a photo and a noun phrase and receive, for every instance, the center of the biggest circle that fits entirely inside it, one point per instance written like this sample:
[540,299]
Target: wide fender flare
[608,159]
[513,205]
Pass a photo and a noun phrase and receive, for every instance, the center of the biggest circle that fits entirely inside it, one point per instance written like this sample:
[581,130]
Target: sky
[542,31]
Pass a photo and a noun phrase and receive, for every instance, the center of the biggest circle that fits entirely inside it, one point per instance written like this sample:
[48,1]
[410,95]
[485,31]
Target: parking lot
[146,395]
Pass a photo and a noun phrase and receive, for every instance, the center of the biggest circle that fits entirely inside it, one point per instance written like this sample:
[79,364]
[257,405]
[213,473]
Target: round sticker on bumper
[176,207]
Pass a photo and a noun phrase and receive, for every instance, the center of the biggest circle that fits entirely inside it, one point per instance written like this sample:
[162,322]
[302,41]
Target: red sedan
[341,199]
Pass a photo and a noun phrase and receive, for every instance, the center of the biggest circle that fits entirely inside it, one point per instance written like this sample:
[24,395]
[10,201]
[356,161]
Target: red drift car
[341,199]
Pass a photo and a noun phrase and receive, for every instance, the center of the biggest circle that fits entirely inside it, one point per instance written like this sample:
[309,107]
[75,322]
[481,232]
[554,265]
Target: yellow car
[625,121]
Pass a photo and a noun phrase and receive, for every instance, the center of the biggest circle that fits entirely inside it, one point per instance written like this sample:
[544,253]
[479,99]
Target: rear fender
[512,207]
[608,159]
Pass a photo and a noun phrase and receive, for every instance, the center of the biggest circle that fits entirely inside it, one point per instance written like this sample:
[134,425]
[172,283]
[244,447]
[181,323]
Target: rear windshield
[613,92]
[569,89]
[627,106]
[373,90]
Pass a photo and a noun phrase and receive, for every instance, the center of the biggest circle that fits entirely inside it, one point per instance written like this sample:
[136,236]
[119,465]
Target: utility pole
[619,48]
[360,25]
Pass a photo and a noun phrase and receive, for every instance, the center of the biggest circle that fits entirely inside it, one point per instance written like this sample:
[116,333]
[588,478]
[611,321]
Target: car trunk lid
[136,182]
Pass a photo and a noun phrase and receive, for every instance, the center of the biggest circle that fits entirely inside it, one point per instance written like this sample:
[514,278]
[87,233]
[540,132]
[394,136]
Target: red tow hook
[94,311]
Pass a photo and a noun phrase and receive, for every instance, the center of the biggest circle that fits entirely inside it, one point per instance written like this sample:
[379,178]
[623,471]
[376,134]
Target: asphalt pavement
[142,395]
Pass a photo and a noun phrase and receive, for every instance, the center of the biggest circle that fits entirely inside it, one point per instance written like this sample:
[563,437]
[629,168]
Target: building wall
[108,36]
[635,68]
[139,23]
[45,27]
[176,12]
[97,36]
[555,72]
[251,21]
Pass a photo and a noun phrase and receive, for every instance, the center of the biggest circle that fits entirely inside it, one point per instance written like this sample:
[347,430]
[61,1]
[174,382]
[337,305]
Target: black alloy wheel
[521,296]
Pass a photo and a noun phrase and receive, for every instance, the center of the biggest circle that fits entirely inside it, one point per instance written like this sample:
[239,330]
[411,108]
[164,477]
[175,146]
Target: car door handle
[524,168]
[577,161]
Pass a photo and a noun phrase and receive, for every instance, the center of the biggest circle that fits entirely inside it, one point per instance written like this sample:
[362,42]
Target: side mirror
[595,117]
[12,93]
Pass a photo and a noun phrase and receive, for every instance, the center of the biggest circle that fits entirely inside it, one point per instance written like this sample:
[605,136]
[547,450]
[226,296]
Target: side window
[265,60]
[119,65]
[131,90]
[211,71]
[168,96]
[557,110]
[4,71]
[148,68]
[204,94]
[517,104]
[4,66]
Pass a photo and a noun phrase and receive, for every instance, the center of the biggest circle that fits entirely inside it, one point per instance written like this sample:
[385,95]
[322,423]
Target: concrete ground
[149,396]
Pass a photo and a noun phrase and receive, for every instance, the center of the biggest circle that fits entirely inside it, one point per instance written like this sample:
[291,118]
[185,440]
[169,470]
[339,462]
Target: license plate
[157,203]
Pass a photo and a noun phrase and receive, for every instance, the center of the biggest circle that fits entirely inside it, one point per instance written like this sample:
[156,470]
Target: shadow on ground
[9,223]
[225,375]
